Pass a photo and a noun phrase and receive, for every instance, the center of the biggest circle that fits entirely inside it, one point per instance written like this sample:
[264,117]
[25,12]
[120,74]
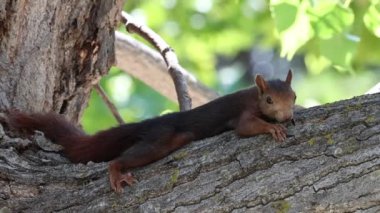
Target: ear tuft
[289,77]
[261,84]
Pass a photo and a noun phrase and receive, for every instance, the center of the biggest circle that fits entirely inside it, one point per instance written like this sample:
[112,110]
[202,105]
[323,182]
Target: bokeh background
[333,47]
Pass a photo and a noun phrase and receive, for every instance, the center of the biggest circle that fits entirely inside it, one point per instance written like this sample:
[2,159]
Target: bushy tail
[54,126]
[78,146]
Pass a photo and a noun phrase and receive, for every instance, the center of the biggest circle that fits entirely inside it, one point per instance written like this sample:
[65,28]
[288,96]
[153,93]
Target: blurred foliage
[338,42]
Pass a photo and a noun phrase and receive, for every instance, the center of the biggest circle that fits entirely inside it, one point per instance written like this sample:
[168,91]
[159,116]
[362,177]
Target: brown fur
[282,96]
[138,144]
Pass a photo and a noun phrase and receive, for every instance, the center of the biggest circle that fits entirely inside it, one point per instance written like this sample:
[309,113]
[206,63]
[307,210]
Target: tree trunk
[331,163]
[52,52]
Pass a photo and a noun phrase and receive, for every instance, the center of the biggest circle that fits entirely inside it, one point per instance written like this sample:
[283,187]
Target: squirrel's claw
[126,178]
[278,132]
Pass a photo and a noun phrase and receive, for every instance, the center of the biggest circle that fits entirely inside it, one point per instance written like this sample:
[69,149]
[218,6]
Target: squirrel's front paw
[277,131]
[118,180]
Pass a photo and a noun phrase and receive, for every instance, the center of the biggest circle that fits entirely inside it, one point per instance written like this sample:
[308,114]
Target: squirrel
[128,146]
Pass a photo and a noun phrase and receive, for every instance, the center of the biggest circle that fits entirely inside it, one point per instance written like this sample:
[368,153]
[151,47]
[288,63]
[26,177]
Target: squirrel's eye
[295,97]
[269,100]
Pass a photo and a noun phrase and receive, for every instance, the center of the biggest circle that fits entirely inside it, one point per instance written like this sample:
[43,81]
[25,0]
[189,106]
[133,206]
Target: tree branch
[176,71]
[331,164]
[142,62]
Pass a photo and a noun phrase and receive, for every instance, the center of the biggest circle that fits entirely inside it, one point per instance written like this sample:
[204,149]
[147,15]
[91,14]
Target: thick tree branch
[332,163]
[144,63]
[176,71]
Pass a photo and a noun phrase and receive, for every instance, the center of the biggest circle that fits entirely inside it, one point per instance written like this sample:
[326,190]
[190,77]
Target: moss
[141,199]
[354,107]
[84,181]
[281,206]
[174,177]
[5,210]
[370,119]
[114,205]
[330,141]
[351,145]
[312,141]
[180,155]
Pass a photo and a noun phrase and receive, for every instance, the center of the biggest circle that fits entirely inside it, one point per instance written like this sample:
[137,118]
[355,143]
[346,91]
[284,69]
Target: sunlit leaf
[329,19]
[372,18]
[284,13]
[298,33]
[316,63]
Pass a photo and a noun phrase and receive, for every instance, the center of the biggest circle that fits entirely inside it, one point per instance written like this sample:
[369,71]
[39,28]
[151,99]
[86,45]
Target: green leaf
[284,14]
[368,49]
[372,18]
[316,63]
[339,50]
[329,19]
[298,33]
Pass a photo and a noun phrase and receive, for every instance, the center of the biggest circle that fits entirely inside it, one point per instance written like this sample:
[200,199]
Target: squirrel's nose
[293,121]
[290,119]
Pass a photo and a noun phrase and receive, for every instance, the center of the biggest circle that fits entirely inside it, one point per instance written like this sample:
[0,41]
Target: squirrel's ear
[261,84]
[289,77]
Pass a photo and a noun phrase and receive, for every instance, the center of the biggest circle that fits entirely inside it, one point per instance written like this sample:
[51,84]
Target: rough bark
[52,52]
[331,163]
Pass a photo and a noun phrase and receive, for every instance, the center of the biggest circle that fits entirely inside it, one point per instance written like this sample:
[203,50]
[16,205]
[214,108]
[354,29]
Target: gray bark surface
[52,52]
[331,163]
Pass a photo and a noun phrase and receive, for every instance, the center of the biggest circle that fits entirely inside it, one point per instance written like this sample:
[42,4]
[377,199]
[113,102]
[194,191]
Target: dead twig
[176,71]
[109,104]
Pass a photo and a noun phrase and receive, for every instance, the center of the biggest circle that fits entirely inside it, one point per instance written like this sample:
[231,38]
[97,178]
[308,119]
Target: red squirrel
[128,146]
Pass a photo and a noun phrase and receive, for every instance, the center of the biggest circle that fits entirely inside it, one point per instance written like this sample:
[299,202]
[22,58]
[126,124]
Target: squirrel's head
[276,98]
